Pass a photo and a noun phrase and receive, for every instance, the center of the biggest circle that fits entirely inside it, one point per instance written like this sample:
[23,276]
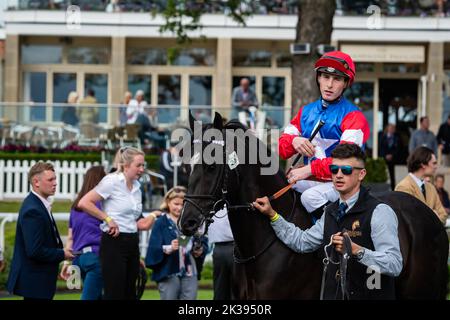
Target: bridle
[221,200]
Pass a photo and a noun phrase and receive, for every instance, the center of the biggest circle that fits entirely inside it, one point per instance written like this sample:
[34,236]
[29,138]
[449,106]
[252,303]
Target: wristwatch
[360,254]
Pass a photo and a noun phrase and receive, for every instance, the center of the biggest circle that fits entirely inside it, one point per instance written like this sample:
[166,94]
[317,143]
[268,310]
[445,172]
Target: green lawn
[148,295]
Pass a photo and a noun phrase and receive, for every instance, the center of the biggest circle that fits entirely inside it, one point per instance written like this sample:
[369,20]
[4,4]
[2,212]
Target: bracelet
[153,215]
[108,219]
[67,263]
[275,217]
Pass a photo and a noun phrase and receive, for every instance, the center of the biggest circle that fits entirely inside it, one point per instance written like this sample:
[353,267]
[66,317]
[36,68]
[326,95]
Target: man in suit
[422,163]
[38,246]
[389,148]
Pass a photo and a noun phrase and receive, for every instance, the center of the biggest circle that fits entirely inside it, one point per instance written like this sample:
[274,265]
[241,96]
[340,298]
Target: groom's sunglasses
[347,170]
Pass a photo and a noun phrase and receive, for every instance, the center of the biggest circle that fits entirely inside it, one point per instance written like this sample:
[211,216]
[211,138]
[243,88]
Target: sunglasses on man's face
[347,170]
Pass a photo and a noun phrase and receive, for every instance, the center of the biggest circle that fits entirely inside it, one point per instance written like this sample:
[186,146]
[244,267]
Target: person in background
[121,198]
[38,248]
[167,169]
[389,148]
[443,140]
[422,163]
[170,255]
[88,113]
[69,115]
[123,118]
[423,137]
[243,98]
[439,182]
[83,238]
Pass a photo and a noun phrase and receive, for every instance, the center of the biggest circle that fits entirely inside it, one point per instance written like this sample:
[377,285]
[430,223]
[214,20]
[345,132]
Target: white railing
[144,236]
[14,178]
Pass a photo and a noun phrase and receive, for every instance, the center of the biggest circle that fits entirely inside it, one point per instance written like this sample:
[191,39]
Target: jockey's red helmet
[337,62]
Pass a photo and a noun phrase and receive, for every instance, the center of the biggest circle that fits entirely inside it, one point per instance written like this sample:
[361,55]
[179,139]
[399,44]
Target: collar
[136,184]
[326,103]
[46,202]
[351,201]
[418,181]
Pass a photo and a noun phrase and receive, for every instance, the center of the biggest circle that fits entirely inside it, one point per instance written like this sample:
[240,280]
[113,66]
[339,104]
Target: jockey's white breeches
[315,194]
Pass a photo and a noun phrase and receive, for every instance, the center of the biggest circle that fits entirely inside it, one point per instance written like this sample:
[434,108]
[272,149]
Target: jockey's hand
[299,174]
[338,242]
[263,205]
[303,146]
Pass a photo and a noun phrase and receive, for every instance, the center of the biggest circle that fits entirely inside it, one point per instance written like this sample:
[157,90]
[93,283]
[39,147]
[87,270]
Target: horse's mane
[235,124]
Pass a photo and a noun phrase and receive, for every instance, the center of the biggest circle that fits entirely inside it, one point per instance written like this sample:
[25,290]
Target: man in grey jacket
[423,137]
[243,98]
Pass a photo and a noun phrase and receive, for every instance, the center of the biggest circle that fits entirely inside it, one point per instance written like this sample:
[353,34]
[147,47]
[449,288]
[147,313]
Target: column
[435,75]
[11,83]
[118,80]
[223,77]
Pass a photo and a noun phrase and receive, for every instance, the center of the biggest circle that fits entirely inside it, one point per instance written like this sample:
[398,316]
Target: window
[195,57]
[401,67]
[251,58]
[200,95]
[361,94]
[284,60]
[169,94]
[35,88]
[88,55]
[273,100]
[146,56]
[39,54]
[63,84]
[98,83]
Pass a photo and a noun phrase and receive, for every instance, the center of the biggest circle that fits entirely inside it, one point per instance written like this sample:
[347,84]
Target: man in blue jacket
[38,246]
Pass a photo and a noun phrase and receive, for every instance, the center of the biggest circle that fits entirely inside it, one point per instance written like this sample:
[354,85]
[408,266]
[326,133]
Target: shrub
[376,170]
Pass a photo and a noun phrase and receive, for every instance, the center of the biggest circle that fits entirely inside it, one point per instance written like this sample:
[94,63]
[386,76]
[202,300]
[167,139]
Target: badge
[233,160]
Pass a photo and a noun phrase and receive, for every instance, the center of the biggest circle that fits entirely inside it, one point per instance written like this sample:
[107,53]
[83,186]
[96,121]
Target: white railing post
[2,182]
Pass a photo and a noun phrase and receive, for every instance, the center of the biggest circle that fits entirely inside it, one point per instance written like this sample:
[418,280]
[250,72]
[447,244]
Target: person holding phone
[170,254]
[84,239]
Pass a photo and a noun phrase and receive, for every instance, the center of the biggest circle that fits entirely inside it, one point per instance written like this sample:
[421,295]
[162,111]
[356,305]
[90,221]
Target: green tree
[314,26]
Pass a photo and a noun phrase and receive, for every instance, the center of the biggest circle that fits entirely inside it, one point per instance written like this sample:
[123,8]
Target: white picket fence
[14,178]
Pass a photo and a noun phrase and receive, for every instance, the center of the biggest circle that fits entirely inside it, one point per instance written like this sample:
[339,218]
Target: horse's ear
[191,120]
[218,123]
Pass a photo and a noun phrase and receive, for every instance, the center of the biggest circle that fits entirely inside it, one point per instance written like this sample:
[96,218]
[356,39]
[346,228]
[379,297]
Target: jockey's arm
[293,130]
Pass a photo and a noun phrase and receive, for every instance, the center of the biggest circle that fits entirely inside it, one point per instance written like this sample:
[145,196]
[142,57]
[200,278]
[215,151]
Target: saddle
[338,259]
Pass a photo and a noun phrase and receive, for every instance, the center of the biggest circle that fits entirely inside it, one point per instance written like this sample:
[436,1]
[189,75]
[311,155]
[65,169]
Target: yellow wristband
[153,215]
[108,219]
[275,217]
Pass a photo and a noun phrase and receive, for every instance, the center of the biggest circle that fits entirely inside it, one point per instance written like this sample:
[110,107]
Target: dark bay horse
[265,267]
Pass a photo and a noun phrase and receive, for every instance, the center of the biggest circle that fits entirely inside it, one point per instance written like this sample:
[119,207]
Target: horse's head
[204,195]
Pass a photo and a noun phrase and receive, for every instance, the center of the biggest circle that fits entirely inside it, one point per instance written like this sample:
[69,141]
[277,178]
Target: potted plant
[376,177]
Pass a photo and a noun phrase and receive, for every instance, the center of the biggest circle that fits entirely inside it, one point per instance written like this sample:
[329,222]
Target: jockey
[344,123]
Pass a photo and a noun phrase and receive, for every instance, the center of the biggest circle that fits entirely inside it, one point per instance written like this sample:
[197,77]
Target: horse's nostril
[191,223]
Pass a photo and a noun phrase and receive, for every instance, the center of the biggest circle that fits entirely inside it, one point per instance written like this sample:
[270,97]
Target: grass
[148,295]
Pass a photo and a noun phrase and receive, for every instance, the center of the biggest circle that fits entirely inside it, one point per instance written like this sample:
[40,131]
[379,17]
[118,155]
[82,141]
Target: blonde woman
[170,255]
[121,198]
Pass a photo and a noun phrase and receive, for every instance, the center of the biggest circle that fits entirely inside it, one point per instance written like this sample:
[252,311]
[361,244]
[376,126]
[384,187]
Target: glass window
[365,67]
[169,94]
[361,94]
[284,60]
[446,97]
[34,90]
[200,95]
[146,56]
[195,57]
[140,82]
[251,58]
[63,84]
[98,83]
[273,100]
[38,54]
[401,67]
[88,55]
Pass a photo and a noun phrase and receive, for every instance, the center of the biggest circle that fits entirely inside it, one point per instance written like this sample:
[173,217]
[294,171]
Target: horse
[267,269]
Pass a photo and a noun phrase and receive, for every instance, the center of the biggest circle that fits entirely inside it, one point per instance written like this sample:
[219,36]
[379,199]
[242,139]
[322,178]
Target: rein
[342,262]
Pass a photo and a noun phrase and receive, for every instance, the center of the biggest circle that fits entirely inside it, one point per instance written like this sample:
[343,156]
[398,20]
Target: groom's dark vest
[357,221]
